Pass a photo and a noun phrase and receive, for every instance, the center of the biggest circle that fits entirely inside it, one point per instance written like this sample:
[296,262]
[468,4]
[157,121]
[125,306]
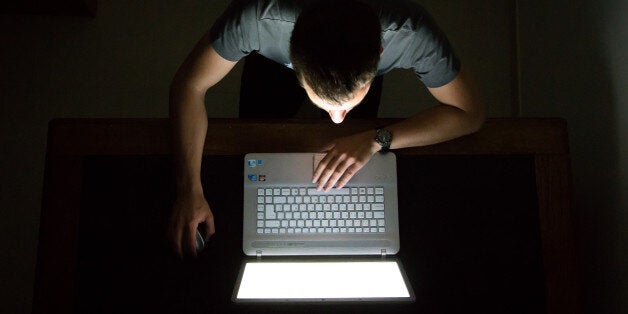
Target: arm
[202,69]
[461,112]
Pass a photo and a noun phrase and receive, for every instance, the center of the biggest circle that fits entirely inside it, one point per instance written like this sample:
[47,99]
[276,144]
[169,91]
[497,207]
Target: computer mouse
[200,241]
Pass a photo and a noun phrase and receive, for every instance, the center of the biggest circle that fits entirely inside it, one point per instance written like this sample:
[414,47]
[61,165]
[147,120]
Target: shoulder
[285,10]
[399,14]
[281,10]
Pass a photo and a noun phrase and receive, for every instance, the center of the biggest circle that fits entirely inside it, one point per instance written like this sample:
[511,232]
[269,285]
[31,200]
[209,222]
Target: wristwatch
[383,137]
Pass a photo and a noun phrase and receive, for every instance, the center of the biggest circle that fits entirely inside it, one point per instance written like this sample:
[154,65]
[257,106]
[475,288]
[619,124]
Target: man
[338,49]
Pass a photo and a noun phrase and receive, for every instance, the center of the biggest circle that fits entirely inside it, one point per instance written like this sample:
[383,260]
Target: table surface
[96,165]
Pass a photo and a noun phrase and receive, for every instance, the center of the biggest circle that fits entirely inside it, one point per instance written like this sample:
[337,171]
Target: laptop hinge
[383,253]
[258,254]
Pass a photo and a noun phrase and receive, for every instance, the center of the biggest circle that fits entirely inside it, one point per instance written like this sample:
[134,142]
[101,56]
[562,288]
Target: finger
[175,231]
[333,172]
[325,175]
[321,166]
[337,173]
[189,239]
[349,173]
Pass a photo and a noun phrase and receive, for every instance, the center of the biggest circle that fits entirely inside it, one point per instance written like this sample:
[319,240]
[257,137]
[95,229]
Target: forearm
[435,125]
[188,119]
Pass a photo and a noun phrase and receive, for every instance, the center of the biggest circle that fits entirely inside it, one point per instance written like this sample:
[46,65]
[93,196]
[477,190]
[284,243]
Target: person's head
[335,49]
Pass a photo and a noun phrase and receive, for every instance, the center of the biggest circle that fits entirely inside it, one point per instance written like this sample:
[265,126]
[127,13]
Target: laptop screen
[320,281]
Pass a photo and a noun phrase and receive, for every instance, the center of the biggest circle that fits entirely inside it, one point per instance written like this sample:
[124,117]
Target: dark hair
[335,47]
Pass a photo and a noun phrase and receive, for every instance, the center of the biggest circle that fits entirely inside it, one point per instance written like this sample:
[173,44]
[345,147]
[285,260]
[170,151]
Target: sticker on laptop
[252,163]
[253,177]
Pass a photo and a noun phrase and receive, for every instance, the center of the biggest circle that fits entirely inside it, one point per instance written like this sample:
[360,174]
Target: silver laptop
[284,215]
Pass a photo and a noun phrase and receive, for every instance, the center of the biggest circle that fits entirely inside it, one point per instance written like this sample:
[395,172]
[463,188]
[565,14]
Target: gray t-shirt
[410,38]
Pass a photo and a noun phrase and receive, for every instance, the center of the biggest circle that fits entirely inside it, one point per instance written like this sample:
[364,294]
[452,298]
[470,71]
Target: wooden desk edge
[69,140]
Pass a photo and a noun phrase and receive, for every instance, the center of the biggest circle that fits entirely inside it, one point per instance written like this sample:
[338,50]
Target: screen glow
[322,280]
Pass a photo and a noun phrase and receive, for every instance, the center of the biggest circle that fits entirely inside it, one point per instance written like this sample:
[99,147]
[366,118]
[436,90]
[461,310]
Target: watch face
[384,138]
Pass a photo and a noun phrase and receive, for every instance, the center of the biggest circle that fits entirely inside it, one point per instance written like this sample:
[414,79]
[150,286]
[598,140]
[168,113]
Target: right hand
[188,212]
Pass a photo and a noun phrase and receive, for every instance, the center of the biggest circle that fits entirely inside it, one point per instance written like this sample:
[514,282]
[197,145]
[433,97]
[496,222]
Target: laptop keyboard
[289,210]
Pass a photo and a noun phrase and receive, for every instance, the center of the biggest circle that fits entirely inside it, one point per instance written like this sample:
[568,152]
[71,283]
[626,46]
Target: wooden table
[71,141]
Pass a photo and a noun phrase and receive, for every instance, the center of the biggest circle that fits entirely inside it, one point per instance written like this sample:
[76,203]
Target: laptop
[318,246]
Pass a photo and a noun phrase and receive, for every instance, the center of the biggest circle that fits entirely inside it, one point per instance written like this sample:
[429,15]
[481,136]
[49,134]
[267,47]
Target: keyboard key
[379,190]
[369,191]
[260,192]
[377,207]
[285,192]
[272,223]
[378,215]
[379,198]
[270,212]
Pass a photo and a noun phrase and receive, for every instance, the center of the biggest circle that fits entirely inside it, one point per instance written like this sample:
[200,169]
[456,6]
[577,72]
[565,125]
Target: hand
[345,156]
[189,210]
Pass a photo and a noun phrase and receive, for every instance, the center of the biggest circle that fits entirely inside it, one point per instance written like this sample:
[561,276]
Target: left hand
[345,156]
